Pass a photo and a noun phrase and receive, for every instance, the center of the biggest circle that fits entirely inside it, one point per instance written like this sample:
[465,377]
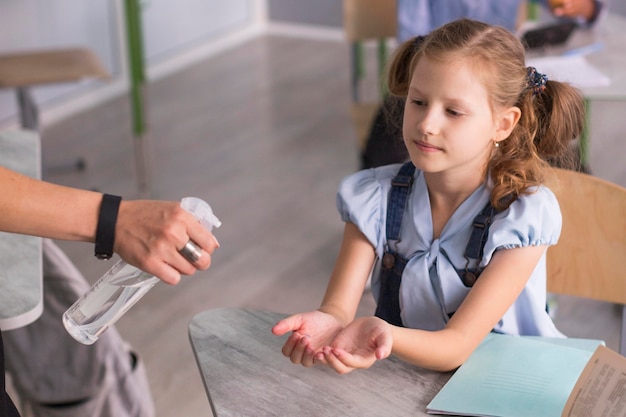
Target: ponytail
[551,121]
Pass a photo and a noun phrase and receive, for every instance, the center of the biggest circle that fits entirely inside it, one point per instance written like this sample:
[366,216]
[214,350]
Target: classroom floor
[262,132]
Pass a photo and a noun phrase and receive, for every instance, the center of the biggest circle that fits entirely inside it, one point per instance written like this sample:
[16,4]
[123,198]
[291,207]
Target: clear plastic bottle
[120,288]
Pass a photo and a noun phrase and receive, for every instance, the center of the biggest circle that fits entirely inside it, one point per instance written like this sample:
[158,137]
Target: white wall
[176,34]
[318,13]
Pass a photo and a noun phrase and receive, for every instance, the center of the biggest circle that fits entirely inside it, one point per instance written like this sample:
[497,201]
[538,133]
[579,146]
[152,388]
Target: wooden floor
[262,133]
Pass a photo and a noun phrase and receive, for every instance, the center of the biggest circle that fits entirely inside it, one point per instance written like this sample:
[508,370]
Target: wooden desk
[245,374]
[21,287]
[27,69]
[611,59]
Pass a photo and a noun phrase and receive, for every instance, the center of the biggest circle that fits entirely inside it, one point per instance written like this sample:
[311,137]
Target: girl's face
[448,123]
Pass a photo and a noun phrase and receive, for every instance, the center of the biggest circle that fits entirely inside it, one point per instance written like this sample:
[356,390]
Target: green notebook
[515,376]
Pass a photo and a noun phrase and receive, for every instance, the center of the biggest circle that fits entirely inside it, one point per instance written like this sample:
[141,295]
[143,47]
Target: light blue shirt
[431,288]
[420,17]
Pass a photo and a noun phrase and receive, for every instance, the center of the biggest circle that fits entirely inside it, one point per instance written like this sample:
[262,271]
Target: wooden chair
[367,20]
[589,260]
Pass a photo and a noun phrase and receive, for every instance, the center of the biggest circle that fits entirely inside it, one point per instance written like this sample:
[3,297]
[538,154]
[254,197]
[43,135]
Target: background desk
[610,59]
[20,256]
[245,374]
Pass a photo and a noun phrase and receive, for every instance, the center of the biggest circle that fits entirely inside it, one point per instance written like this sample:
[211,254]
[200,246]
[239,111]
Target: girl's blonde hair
[550,119]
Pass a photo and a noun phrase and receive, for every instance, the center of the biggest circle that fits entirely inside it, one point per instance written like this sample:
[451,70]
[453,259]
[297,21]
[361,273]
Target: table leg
[137,83]
[29,119]
[29,114]
[358,68]
[622,340]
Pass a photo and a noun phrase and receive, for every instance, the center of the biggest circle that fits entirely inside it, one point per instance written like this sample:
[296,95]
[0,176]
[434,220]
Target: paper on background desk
[513,376]
[573,69]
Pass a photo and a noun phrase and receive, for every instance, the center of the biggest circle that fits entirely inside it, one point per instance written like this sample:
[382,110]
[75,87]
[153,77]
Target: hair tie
[536,80]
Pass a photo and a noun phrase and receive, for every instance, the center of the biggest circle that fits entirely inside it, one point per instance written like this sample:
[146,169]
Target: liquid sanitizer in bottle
[120,288]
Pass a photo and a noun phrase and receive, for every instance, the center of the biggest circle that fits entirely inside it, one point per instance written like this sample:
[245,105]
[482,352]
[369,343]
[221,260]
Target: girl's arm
[312,331]
[492,295]
[368,339]
[349,276]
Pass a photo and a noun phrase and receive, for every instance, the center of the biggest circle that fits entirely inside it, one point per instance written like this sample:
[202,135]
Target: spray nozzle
[201,211]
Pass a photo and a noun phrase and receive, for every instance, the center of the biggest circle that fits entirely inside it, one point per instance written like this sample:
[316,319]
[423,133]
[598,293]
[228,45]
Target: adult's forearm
[34,207]
[148,233]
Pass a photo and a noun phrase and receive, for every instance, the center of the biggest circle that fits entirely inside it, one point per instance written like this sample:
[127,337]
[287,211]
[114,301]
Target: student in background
[419,17]
[53,374]
[479,127]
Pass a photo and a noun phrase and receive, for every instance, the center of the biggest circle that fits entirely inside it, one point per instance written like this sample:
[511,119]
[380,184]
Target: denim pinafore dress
[393,264]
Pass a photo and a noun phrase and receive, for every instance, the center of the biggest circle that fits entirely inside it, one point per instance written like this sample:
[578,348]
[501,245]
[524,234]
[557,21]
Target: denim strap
[476,243]
[400,188]
[388,306]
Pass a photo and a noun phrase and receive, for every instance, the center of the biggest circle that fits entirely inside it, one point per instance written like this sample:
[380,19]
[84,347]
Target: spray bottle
[120,288]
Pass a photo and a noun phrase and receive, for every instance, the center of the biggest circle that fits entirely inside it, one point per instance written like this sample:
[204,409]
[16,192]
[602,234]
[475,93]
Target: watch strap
[105,232]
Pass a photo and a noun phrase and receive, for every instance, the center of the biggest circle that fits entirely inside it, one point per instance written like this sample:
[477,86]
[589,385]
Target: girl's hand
[359,345]
[311,331]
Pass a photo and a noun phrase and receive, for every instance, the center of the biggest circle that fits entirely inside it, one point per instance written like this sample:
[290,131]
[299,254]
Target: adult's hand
[574,8]
[149,235]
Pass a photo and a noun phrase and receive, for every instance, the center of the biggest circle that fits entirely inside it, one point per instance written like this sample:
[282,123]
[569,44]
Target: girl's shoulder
[532,219]
[539,200]
[378,174]
[362,199]
[369,181]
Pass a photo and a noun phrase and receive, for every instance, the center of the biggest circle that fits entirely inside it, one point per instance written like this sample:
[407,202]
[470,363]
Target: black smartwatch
[105,232]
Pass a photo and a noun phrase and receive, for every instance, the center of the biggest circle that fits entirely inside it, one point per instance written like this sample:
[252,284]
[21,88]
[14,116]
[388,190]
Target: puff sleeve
[361,200]
[531,220]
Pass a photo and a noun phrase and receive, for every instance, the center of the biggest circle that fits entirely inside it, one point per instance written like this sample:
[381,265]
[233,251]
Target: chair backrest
[589,260]
[369,19]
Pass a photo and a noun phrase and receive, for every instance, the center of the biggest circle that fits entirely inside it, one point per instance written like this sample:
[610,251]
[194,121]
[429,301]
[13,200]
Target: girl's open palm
[359,345]
[310,332]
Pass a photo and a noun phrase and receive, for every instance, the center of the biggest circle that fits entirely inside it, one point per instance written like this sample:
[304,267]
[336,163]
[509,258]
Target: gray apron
[54,375]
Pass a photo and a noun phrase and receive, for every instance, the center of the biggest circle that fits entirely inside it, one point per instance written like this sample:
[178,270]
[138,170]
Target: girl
[457,237]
